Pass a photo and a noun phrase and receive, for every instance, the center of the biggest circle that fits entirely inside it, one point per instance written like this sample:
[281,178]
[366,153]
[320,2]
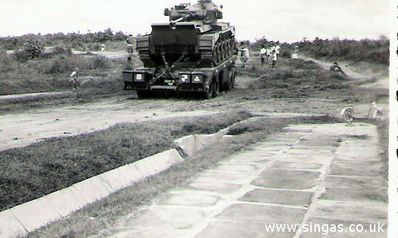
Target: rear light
[139,77]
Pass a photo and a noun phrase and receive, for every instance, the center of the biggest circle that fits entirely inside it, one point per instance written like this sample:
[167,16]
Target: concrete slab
[355,182]
[263,213]
[357,194]
[35,214]
[215,187]
[66,201]
[146,232]
[284,183]
[167,217]
[189,200]
[213,176]
[10,226]
[295,165]
[257,161]
[358,168]
[306,158]
[369,212]
[291,198]
[219,229]
[247,169]
[306,175]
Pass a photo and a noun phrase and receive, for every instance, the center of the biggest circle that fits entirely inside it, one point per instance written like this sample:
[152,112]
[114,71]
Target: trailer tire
[212,91]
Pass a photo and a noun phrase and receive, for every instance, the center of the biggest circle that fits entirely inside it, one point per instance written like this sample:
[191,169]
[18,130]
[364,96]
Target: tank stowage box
[192,53]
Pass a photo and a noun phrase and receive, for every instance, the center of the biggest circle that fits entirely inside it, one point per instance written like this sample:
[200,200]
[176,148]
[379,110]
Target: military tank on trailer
[193,52]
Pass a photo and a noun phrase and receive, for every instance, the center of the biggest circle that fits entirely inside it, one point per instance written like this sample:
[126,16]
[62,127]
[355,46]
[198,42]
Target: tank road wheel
[215,56]
[226,49]
[219,52]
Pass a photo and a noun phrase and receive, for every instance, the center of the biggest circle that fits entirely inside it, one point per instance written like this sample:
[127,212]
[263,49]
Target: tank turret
[204,11]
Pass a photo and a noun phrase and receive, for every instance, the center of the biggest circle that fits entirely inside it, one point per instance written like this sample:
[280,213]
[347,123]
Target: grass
[103,214]
[296,79]
[53,73]
[34,171]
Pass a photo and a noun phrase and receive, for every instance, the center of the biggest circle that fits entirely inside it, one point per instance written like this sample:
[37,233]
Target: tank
[193,53]
[193,37]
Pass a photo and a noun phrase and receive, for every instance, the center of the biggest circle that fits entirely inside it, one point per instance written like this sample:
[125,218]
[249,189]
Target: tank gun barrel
[181,19]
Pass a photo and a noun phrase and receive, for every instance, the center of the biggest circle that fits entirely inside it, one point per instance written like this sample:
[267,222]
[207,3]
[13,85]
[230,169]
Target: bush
[31,50]
[66,63]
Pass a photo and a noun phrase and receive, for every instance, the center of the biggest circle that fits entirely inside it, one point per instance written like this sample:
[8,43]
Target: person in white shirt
[277,49]
[263,54]
[274,58]
[244,54]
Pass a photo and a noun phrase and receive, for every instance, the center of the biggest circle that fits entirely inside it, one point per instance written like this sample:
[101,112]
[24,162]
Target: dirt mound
[303,80]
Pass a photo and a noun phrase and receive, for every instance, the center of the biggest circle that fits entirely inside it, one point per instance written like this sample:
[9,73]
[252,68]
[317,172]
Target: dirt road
[23,128]
[360,72]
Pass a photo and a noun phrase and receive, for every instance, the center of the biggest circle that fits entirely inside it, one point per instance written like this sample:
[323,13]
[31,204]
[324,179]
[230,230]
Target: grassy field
[42,168]
[101,215]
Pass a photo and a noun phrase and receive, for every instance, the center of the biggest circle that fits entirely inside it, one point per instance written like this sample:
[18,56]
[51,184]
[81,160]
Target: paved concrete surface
[319,174]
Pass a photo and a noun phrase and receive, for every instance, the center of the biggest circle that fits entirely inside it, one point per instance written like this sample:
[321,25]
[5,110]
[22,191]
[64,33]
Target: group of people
[270,54]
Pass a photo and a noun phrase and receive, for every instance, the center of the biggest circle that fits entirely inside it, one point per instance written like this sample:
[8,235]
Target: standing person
[274,58]
[130,50]
[269,51]
[277,49]
[74,79]
[244,54]
[263,54]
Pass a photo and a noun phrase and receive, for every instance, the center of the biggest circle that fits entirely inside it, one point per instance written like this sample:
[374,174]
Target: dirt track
[21,129]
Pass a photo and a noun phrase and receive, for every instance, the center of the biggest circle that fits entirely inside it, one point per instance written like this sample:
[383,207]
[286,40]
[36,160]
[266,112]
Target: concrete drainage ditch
[28,217]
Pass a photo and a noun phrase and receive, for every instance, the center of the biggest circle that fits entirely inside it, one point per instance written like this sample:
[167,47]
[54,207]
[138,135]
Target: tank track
[213,55]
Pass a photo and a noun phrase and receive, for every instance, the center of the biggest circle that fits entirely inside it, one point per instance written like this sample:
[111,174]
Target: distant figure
[263,54]
[130,50]
[103,48]
[75,79]
[274,58]
[277,49]
[375,112]
[336,68]
[347,114]
[244,54]
[295,52]
[129,43]
[269,52]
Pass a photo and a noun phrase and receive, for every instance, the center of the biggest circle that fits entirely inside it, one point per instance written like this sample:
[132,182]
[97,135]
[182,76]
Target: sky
[283,20]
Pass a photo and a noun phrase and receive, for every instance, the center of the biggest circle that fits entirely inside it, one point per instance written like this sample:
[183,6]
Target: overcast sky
[284,20]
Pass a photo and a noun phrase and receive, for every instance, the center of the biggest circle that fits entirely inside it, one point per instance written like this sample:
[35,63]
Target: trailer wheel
[229,84]
[209,92]
[215,88]
[232,79]
[212,92]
